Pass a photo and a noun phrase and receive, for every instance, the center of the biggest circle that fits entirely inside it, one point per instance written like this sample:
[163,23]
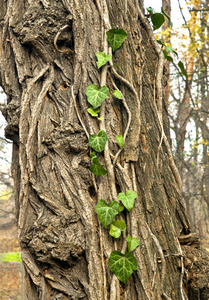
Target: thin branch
[7,212]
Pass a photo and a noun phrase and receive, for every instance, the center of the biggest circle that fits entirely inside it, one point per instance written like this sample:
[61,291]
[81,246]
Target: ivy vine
[122,265]
[157,21]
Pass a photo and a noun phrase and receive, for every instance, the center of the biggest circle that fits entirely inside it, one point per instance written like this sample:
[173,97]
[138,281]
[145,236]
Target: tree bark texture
[47,61]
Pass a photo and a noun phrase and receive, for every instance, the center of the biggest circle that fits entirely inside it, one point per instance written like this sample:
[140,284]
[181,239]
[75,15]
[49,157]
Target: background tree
[189,116]
[47,61]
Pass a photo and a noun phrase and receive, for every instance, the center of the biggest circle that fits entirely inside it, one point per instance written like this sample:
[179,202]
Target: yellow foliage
[204,142]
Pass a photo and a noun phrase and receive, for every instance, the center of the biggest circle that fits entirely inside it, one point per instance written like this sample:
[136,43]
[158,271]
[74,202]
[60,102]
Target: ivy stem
[109,165]
[129,119]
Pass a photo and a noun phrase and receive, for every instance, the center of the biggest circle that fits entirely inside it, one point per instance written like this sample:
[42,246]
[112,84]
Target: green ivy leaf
[120,140]
[122,265]
[160,42]
[116,227]
[181,66]
[128,199]
[167,16]
[93,112]
[117,94]
[106,212]
[157,20]
[97,142]
[150,9]
[168,57]
[96,96]
[121,208]
[132,243]
[102,59]
[170,49]
[100,118]
[116,38]
[96,168]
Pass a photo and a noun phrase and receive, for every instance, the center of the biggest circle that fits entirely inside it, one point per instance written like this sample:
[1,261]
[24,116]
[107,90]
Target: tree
[189,117]
[47,62]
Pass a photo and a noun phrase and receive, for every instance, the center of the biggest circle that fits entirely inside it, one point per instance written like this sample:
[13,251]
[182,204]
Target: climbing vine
[122,265]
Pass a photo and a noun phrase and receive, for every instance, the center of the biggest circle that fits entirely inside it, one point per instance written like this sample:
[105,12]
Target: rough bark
[64,248]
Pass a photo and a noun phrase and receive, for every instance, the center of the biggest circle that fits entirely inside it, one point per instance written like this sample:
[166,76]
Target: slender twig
[5,140]
[7,212]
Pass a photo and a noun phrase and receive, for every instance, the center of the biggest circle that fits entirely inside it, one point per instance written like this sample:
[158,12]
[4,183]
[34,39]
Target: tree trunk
[47,61]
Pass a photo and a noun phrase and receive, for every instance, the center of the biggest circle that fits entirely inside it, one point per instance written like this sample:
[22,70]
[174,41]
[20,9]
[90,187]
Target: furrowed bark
[47,61]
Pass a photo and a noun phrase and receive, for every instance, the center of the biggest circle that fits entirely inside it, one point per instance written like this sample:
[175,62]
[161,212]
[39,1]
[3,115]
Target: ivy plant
[116,38]
[120,140]
[157,21]
[107,212]
[97,168]
[98,141]
[102,59]
[128,199]
[116,227]
[132,243]
[93,112]
[96,96]
[117,94]
[120,264]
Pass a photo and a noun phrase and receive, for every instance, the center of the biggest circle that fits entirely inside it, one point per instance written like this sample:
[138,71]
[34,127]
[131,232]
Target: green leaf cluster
[106,213]
[116,227]
[122,265]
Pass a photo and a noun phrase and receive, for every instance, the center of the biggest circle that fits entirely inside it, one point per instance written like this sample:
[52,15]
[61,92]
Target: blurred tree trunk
[47,61]
[166,37]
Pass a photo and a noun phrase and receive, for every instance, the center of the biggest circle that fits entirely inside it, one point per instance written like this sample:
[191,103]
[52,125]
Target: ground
[10,272]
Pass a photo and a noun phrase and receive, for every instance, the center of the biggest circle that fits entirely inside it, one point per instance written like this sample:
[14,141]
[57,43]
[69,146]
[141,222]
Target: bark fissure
[47,52]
